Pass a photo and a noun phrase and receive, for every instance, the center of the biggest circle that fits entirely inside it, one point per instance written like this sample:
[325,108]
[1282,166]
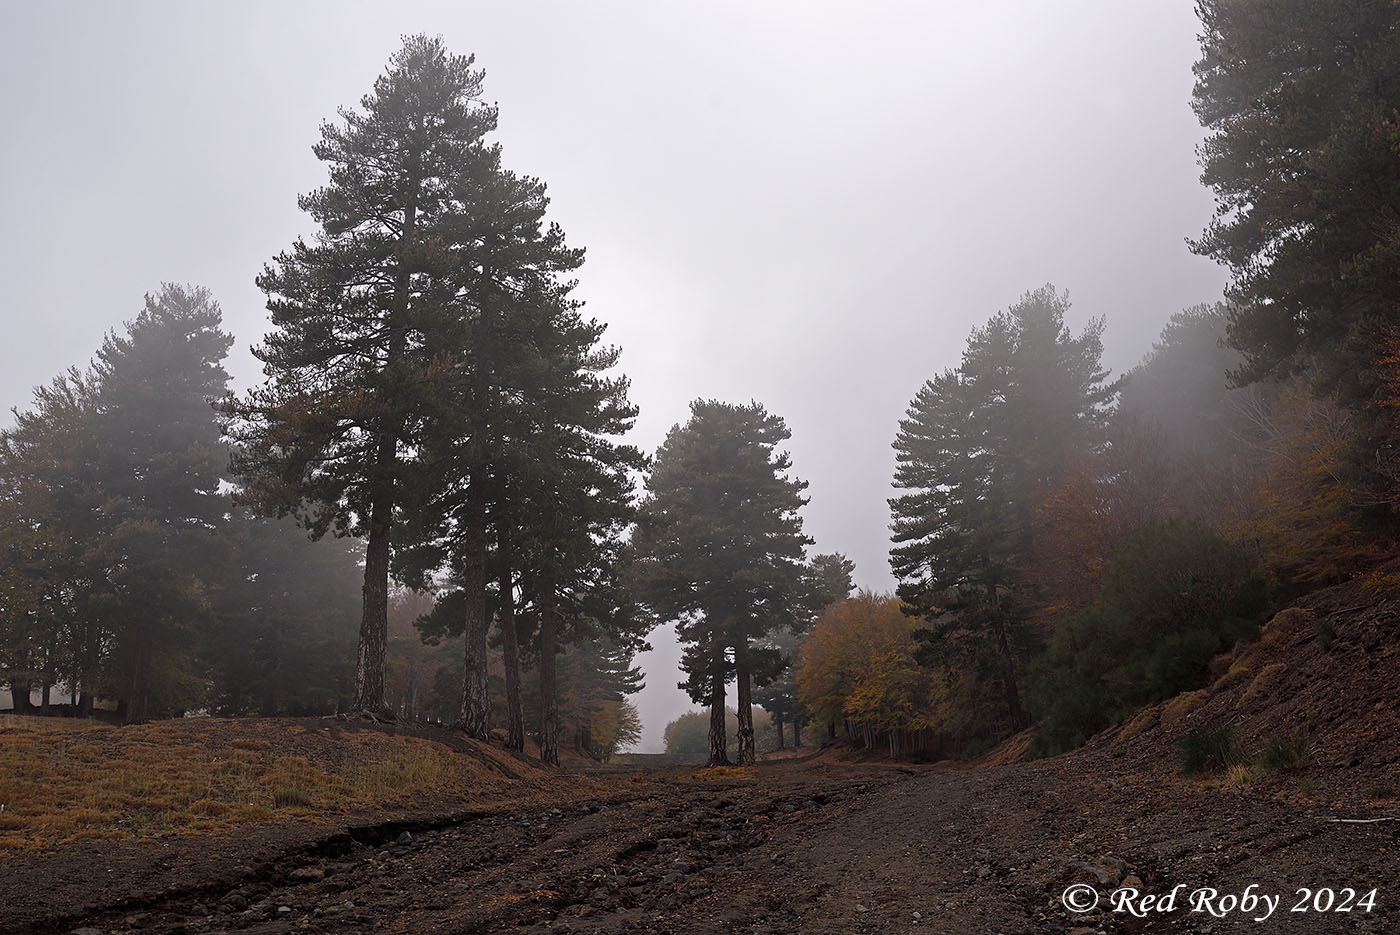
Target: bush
[1290,752]
[1174,596]
[1209,749]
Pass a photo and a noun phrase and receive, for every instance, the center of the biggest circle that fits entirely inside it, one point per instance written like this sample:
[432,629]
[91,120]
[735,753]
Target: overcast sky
[807,204]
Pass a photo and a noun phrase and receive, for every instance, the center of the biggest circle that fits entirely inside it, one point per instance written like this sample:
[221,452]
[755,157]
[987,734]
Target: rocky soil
[816,846]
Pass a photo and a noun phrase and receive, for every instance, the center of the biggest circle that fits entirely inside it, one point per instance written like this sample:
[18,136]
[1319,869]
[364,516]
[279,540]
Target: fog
[809,205]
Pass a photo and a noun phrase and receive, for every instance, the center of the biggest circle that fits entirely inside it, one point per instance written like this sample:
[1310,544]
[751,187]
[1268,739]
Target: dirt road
[811,847]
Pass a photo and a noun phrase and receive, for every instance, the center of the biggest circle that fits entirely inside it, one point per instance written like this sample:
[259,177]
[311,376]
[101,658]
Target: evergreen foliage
[1174,596]
[722,548]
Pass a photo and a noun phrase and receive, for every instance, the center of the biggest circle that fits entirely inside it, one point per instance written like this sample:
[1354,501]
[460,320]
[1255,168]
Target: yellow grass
[70,780]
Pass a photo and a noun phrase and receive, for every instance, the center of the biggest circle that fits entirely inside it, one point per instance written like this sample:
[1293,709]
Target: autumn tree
[978,446]
[828,579]
[722,548]
[354,380]
[858,667]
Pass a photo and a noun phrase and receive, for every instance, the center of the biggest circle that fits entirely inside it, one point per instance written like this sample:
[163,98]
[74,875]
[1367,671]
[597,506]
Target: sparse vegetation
[84,780]
[1208,749]
[1293,751]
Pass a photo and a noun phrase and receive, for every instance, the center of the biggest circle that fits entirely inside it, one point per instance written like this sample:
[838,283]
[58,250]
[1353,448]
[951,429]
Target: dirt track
[803,847]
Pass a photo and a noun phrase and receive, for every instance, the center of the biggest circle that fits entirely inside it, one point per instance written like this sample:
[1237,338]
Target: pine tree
[975,452]
[723,548]
[354,378]
[160,463]
[1300,97]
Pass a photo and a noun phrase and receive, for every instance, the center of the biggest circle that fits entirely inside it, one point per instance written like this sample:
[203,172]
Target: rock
[87,930]
[199,909]
[861,908]
[680,866]
[307,874]
[281,909]
[233,902]
[405,838]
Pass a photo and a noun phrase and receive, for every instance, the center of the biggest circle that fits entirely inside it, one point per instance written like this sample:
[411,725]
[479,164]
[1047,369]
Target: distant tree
[975,452]
[828,580]
[161,462]
[1299,98]
[283,640]
[354,379]
[722,548]
[858,667]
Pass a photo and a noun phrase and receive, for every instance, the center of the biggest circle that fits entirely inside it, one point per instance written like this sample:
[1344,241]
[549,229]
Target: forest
[428,508]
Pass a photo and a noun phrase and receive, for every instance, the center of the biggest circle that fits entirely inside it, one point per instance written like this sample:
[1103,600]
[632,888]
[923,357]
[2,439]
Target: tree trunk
[19,692]
[1013,696]
[374,619]
[510,649]
[747,755]
[796,735]
[138,686]
[830,730]
[719,755]
[476,709]
[549,706]
[778,723]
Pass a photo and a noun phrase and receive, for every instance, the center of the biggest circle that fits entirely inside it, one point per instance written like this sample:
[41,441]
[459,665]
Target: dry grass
[74,780]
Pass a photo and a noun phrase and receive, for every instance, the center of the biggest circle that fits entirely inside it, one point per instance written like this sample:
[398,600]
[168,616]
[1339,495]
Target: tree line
[1067,545]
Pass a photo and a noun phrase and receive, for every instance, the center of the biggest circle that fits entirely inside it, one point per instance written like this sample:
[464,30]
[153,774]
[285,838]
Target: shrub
[1174,596]
[1208,749]
[1289,752]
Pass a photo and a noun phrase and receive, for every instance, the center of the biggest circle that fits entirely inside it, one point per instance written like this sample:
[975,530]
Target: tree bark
[475,717]
[374,619]
[719,755]
[19,693]
[796,735]
[510,648]
[747,756]
[549,706]
[778,723]
[1013,696]
[138,691]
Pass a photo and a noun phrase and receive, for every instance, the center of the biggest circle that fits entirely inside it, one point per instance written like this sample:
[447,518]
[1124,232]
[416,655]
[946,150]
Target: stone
[405,838]
[307,874]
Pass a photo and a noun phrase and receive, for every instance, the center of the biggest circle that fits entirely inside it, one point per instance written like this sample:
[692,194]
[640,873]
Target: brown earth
[823,844]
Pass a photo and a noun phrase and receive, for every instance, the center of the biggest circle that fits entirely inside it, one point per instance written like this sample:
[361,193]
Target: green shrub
[1208,749]
[1290,752]
[1174,596]
[1326,632]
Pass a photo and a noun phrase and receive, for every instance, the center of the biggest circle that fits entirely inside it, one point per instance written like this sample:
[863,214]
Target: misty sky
[806,204]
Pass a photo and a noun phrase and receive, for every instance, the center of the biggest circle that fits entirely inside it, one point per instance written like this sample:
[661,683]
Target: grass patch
[1382,789]
[1241,775]
[1208,749]
[724,772]
[70,780]
[1286,753]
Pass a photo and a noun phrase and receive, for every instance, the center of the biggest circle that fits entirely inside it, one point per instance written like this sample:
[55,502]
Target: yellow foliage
[858,665]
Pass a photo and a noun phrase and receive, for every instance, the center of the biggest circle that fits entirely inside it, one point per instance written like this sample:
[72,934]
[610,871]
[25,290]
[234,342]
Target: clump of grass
[1241,775]
[290,797]
[1381,789]
[1286,752]
[1309,784]
[1208,749]
[1326,632]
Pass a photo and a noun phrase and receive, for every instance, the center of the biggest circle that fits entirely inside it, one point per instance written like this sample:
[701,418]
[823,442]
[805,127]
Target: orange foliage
[1293,506]
[858,665]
